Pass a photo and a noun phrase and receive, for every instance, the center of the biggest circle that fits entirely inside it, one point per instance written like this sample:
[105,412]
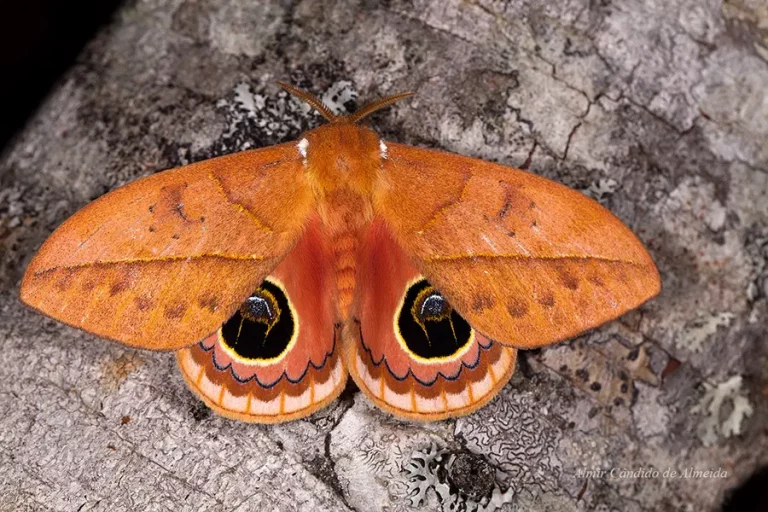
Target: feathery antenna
[326,112]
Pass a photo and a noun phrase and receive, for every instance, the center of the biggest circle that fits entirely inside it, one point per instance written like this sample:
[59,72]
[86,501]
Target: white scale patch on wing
[489,242]
[302,146]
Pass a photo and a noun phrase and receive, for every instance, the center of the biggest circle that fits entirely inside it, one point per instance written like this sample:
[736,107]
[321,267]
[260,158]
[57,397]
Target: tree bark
[657,109]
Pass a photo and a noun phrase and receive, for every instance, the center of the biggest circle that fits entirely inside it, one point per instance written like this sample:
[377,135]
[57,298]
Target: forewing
[278,357]
[408,351]
[525,260]
[161,262]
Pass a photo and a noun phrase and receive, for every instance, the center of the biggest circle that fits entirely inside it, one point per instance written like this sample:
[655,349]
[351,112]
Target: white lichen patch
[719,420]
[649,416]
[338,94]
[602,188]
[422,473]
[715,216]
[244,105]
[255,116]
[698,331]
[248,102]
[370,450]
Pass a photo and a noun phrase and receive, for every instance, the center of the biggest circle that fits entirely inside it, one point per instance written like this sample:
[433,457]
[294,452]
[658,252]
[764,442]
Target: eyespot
[427,325]
[264,328]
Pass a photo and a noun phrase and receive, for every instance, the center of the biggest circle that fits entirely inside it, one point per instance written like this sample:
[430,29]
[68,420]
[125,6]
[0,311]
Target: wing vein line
[520,257]
[162,259]
[446,205]
[239,206]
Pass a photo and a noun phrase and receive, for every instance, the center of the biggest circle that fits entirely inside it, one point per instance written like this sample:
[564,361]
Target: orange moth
[273,273]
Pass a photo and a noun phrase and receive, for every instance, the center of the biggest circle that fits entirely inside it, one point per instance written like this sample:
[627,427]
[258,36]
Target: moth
[274,273]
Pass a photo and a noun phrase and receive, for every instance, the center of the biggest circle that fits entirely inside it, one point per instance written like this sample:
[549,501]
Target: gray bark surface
[658,109]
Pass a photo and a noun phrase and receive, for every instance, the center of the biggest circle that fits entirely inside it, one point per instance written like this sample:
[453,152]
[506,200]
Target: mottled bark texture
[655,108]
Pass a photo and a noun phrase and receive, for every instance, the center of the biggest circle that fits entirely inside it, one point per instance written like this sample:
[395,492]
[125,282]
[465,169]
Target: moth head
[342,153]
[316,103]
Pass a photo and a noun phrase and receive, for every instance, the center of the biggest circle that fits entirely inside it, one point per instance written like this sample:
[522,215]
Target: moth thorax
[343,156]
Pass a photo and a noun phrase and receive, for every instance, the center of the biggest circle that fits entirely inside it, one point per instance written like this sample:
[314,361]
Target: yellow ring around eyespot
[272,360]
[434,360]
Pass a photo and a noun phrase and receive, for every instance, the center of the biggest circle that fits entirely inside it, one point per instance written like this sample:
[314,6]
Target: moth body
[343,164]
[275,273]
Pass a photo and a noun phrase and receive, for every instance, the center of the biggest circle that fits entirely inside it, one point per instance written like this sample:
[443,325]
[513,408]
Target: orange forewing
[163,261]
[526,261]
[386,369]
[307,377]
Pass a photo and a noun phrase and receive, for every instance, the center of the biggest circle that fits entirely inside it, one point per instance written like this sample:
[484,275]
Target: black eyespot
[428,324]
[263,325]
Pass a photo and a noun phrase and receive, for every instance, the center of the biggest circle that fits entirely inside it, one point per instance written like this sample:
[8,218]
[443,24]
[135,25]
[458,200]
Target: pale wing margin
[525,260]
